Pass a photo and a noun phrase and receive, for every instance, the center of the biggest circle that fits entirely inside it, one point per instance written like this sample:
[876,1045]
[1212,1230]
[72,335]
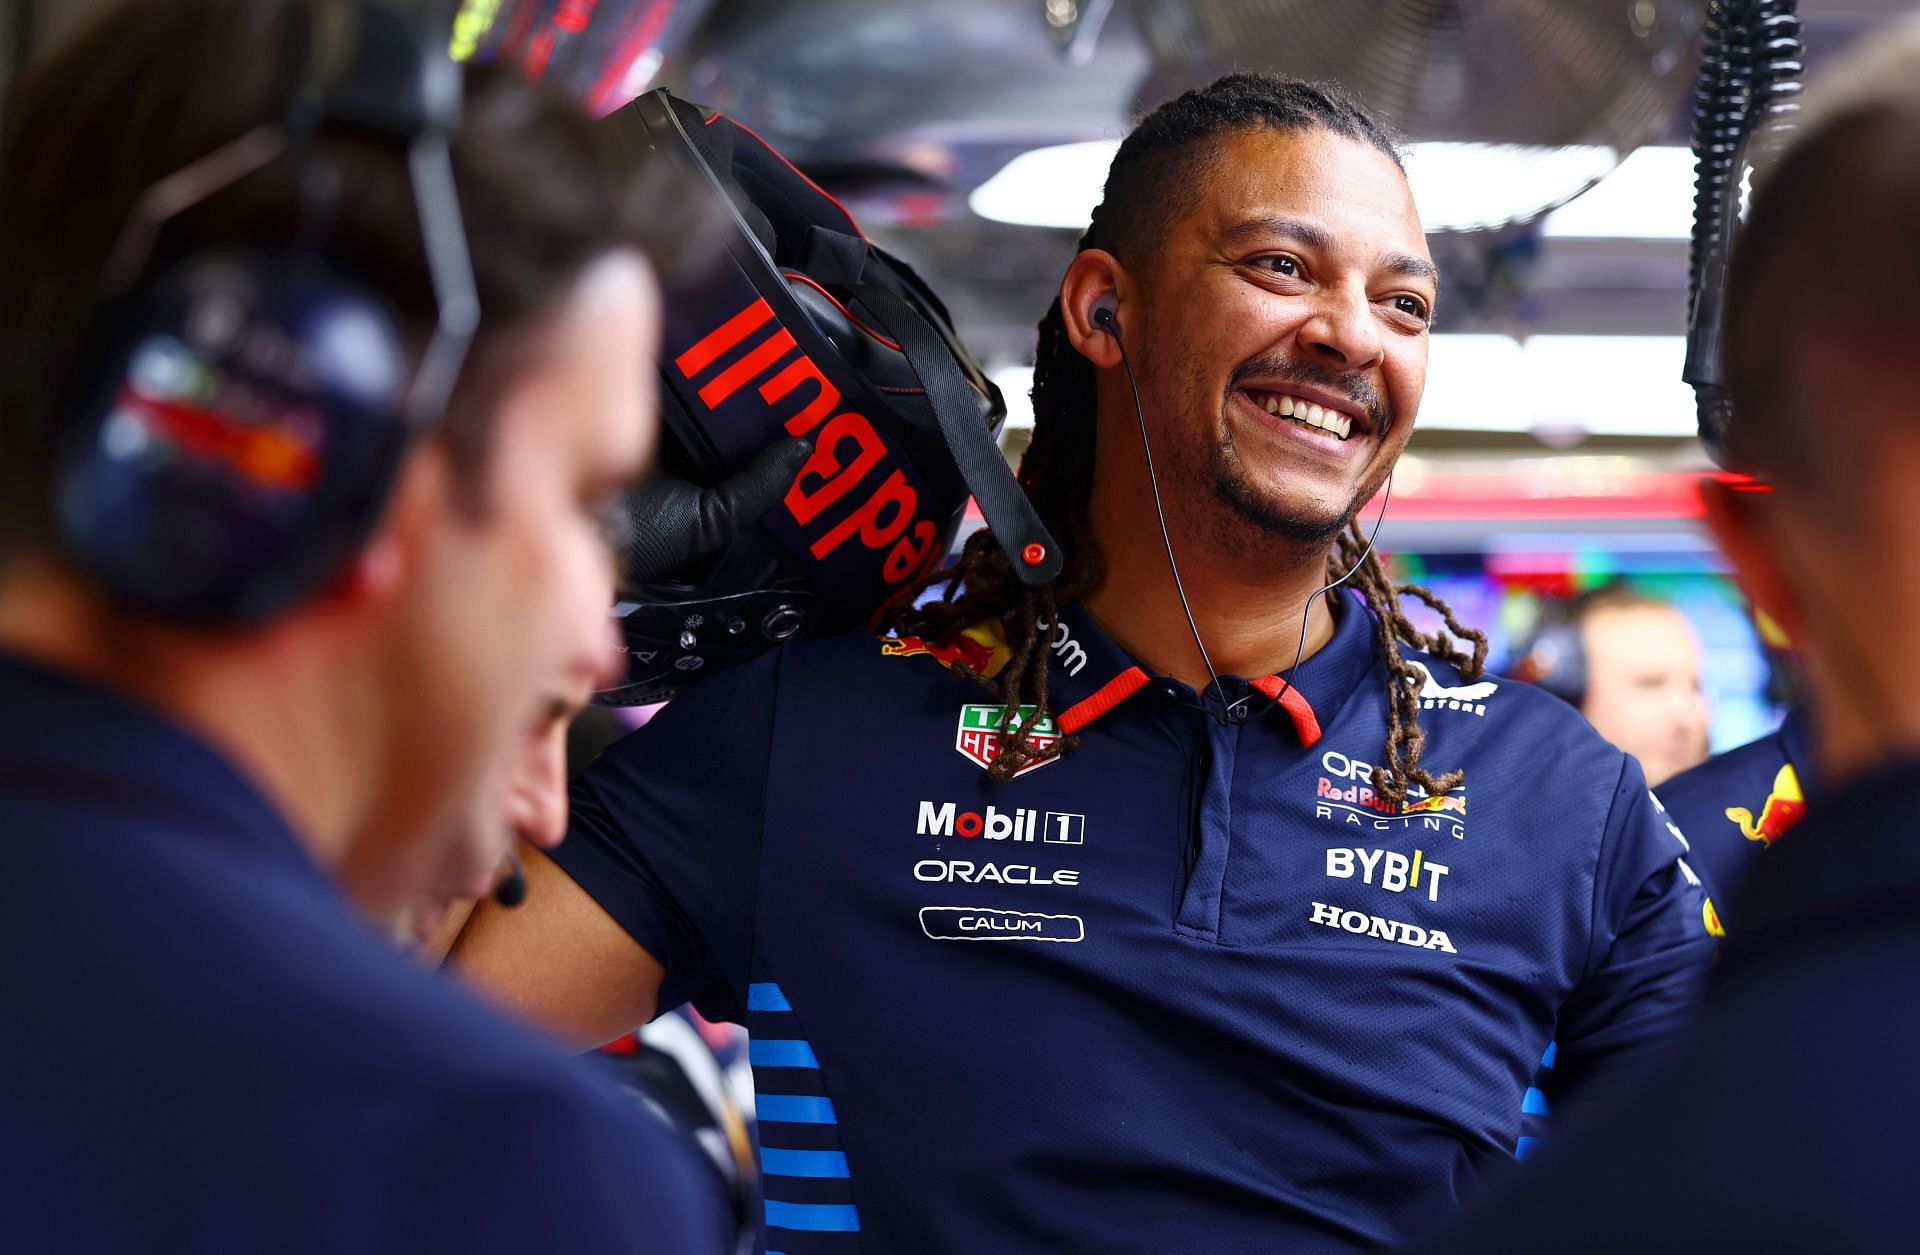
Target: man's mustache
[1355,388]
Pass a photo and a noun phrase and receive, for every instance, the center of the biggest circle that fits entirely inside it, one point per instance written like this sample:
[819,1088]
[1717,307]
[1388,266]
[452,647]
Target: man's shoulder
[861,659]
[271,1064]
[1726,778]
[275,965]
[1511,717]
[488,1104]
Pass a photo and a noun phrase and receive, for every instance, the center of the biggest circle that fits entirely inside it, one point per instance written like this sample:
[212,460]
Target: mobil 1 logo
[946,819]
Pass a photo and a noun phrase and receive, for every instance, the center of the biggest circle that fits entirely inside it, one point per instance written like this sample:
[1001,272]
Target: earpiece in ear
[1104,312]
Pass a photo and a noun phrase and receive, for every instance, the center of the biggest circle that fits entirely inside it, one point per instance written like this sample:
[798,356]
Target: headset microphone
[512,889]
[1104,314]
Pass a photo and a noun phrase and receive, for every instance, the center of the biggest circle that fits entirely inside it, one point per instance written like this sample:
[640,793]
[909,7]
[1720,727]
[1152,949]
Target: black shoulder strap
[1030,550]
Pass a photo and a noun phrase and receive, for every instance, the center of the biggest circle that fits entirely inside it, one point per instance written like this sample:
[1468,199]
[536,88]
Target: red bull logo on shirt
[1710,919]
[961,650]
[982,648]
[1784,806]
[1346,795]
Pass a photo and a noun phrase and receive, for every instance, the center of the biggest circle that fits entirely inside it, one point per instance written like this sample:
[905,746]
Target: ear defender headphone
[1552,657]
[236,423]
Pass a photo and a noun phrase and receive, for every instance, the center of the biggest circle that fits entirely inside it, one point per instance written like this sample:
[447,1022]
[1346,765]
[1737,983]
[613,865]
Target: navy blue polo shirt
[205,1051]
[1737,804]
[1190,987]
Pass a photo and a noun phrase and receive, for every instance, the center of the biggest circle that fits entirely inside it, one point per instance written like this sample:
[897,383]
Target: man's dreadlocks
[1152,178]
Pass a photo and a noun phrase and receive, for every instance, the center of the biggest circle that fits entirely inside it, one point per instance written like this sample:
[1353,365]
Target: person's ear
[536,804]
[1740,518]
[1095,281]
[423,487]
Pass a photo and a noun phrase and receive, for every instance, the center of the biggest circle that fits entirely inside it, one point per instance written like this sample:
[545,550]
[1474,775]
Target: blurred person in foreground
[1784,1120]
[689,1072]
[1631,664]
[219,793]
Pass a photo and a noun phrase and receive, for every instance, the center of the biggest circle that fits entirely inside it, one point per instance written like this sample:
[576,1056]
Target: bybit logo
[1386,869]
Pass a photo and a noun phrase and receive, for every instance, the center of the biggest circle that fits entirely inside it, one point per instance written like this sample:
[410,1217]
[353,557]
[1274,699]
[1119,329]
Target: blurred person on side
[1734,806]
[293,554]
[1782,1122]
[1631,664]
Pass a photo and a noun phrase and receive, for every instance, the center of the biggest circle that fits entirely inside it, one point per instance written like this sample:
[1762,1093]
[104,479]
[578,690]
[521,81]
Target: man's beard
[1233,487]
[1236,489]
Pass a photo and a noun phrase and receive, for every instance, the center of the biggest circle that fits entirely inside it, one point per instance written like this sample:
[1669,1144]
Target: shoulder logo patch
[981,649]
[1437,696]
[1783,808]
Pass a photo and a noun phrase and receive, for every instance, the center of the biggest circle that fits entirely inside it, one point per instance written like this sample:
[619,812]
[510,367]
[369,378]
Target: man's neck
[1248,613]
[249,696]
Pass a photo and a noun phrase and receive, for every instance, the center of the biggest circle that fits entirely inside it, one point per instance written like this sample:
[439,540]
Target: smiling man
[1048,937]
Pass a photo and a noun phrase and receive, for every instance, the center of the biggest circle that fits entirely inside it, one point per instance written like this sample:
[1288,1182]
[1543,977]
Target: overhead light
[1047,187]
[1559,386]
[1465,187]
[1649,196]
[1456,186]
[1556,387]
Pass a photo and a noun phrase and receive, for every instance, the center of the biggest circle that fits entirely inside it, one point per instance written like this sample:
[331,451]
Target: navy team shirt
[1190,987]
[1737,804]
[204,1050]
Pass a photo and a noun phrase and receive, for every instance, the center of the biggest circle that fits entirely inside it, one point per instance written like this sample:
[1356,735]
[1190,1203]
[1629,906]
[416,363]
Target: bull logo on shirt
[980,649]
[1783,809]
[1710,919]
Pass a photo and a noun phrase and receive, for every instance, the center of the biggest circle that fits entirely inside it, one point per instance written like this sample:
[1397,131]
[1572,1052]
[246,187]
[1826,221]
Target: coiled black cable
[1715,140]
[1780,62]
[1747,91]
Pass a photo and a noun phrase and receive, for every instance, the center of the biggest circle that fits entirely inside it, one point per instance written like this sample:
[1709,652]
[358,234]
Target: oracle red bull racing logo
[1784,806]
[1344,793]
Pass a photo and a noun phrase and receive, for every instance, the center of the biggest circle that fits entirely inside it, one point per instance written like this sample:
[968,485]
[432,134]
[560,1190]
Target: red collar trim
[1305,722]
[1109,695]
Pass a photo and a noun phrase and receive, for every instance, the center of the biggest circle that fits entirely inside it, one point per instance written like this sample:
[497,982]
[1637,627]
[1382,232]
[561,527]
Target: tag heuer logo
[979,735]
